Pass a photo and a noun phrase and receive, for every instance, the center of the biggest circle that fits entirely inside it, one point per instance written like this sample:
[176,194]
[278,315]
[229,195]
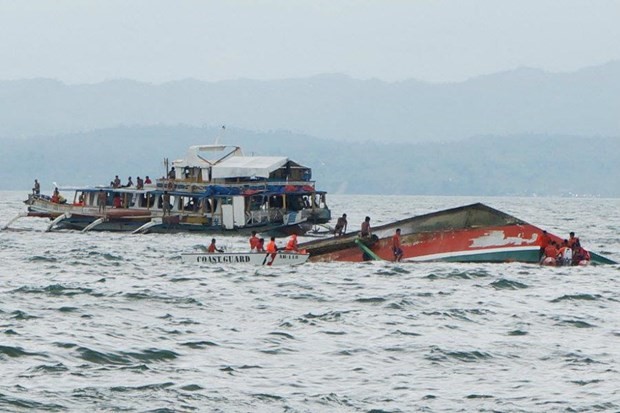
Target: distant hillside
[524,101]
[513,165]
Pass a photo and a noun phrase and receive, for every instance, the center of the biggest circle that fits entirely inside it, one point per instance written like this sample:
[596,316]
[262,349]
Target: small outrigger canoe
[250,258]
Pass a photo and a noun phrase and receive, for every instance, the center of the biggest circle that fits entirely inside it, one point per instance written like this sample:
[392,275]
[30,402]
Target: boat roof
[203,156]
[248,166]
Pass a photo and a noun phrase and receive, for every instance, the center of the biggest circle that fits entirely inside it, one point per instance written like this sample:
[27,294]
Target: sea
[116,322]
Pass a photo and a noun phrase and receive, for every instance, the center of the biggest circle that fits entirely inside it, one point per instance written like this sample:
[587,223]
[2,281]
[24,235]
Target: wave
[15,352]
[11,403]
[124,358]
[575,297]
[504,284]
[437,354]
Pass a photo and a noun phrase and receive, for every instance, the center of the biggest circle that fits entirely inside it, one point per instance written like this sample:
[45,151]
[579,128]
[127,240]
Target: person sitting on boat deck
[551,254]
[166,203]
[117,201]
[36,190]
[260,247]
[147,180]
[139,183]
[116,182]
[186,172]
[56,198]
[102,197]
[365,232]
[291,245]
[341,226]
[271,246]
[253,242]
[565,254]
[80,201]
[543,242]
[129,183]
[396,248]
[212,248]
[172,174]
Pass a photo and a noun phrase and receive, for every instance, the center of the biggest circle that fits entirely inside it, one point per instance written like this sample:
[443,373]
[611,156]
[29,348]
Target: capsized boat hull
[473,233]
[234,259]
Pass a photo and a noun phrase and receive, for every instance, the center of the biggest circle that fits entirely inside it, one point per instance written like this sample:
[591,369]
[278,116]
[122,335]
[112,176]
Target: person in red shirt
[212,248]
[253,242]
[261,245]
[117,201]
[396,249]
[291,245]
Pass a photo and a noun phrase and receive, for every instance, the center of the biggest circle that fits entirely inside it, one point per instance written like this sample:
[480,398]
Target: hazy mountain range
[523,101]
[515,165]
[524,132]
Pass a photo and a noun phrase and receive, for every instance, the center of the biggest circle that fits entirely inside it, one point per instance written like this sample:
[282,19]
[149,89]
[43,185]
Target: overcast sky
[80,41]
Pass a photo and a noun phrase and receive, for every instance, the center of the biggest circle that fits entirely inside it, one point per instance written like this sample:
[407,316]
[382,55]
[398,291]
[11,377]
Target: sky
[82,41]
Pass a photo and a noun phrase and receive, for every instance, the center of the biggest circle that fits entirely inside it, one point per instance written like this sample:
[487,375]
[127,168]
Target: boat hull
[234,259]
[474,233]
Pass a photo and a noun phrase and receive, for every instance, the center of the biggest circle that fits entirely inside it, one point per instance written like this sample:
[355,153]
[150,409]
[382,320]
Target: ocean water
[116,322]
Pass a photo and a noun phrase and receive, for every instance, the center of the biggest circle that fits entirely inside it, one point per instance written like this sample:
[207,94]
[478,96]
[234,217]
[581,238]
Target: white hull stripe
[454,254]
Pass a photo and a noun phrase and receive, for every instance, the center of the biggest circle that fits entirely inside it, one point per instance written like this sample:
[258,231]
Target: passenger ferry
[214,189]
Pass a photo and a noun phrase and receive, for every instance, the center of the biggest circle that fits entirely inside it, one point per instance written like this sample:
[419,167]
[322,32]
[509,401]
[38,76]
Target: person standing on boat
[291,245]
[212,248]
[172,174]
[103,199]
[36,190]
[272,248]
[543,242]
[365,232]
[341,226]
[166,203]
[396,249]
[572,240]
[253,242]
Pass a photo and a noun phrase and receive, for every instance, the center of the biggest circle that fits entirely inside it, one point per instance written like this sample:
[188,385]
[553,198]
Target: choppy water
[115,322]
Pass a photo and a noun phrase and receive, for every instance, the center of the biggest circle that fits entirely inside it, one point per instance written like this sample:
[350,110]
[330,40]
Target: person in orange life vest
[253,242]
[291,245]
[551,251]
[396,249]
[271,246]
[212,248]
[260,247]
[56,196]
[572,240]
